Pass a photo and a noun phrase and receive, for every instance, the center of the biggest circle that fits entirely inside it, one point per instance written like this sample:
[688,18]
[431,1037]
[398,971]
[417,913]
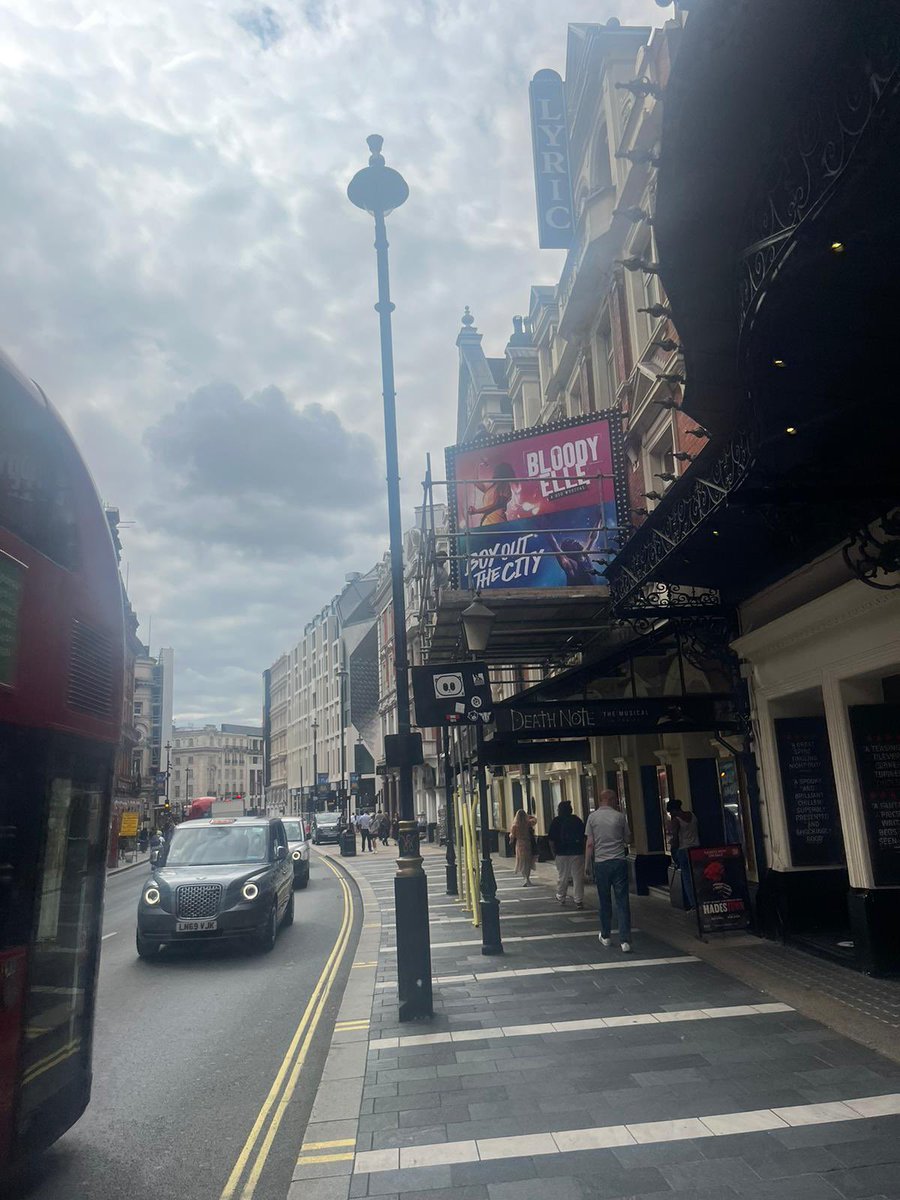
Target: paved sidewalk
[566,1070]
[140,860]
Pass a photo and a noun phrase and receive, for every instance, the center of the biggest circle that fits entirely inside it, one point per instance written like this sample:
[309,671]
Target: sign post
[452,694]
[722,898]
[810,796]
[876,739]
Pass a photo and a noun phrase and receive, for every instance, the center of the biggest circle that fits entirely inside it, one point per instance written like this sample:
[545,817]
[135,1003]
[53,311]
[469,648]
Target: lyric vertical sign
[876,739]
[552,171]
[810,798]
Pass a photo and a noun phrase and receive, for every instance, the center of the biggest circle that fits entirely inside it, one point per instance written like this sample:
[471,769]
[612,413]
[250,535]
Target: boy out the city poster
[537,509]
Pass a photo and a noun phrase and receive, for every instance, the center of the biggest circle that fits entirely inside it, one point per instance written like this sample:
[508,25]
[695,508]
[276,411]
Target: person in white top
[364,825]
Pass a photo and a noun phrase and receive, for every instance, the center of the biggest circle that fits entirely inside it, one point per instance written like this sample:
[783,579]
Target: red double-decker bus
[61,676]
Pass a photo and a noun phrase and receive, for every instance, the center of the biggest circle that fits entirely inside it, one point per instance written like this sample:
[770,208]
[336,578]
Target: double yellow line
[252,1158]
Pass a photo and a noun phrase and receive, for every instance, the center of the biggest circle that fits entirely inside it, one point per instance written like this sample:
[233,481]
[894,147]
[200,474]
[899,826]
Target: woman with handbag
[522,833]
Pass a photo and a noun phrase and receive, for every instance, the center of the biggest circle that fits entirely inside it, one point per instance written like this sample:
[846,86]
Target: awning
[511,751]
[531,626]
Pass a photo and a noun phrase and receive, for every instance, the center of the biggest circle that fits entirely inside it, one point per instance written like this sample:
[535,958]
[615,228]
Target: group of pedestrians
[374,827]
[598,849]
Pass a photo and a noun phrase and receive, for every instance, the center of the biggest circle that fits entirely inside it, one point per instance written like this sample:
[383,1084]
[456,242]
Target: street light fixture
[378,190]
[477,622]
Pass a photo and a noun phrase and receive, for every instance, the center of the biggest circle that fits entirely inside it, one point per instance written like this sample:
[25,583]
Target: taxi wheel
[288,918]
[146,947]
[265,938]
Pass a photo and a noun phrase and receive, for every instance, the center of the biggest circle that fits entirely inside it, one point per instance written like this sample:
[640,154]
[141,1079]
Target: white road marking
[109,935]
[642,1133]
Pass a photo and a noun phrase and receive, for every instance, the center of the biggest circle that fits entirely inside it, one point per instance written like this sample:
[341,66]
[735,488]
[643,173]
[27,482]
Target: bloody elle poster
[538,508]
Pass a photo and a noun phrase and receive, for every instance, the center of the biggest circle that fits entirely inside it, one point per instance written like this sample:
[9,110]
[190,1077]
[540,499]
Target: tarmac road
[186,1051]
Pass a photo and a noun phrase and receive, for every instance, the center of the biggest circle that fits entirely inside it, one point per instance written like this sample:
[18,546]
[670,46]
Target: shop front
[826,687]
[777,236]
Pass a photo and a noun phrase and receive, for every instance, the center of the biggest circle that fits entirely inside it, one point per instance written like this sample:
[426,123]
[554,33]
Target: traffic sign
[128,824]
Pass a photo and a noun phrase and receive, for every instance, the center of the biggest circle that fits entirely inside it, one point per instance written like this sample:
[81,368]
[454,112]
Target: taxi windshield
[215,846]
[328,818]
[294,831]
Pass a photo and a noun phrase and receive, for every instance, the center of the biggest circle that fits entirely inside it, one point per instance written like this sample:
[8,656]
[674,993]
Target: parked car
[326,827]
[223,877]
[298,848]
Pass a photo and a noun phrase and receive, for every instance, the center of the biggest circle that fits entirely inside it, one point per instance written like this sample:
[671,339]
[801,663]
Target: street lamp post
[450,817]
[345,807]
[168,750]
[315,787]
[378,189]
[477,620]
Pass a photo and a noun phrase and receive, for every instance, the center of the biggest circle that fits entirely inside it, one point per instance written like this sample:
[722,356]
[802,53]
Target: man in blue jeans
[608,837]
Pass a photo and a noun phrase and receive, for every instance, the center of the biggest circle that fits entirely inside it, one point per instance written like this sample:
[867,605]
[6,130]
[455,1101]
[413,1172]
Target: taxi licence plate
[195,926]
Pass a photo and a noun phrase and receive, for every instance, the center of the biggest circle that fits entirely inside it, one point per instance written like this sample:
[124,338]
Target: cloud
[174,212]
[258,475]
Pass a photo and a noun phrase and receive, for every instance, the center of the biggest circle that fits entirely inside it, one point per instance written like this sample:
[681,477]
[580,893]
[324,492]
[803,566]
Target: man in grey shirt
[606,854]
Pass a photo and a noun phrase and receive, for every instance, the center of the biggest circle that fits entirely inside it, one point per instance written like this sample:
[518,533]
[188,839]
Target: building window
[660,459]
[138,707]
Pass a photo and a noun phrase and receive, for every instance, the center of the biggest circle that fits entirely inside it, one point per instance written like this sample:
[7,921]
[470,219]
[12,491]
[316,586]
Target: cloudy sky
[186,279]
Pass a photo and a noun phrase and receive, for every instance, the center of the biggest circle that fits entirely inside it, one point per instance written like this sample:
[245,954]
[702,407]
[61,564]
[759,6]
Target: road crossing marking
[615,1022]
[644,1133]
[271,1114]
[529,937]
[616,964]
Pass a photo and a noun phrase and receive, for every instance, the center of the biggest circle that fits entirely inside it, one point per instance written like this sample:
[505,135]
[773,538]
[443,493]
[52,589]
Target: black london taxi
[223,877]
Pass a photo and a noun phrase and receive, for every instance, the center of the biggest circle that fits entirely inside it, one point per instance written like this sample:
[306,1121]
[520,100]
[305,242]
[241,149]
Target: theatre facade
[723,625]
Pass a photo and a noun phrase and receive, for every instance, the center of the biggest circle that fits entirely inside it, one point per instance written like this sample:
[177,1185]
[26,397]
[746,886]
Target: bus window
[59,991]
[36,497]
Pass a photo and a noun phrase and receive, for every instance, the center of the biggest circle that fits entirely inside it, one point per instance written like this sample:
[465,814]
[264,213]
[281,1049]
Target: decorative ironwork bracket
[873,552]
[707,488]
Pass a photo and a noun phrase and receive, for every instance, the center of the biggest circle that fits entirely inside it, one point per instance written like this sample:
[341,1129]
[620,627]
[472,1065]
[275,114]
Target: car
[219,878]
[298,848]
[326,827]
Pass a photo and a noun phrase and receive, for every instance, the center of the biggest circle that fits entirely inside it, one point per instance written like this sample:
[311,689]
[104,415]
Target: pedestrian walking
[684,835]
[566,835]
[395,829]
[384,828]
[606,855]
[522,833]
[364,825]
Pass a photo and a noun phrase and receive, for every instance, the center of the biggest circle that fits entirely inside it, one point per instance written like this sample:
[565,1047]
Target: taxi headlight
[296,856]
[249,891]
[151,895]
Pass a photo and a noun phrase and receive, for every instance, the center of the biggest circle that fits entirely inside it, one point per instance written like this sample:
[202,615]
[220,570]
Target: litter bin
[432,826]
[494,840]
[348,844]
[544,853]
